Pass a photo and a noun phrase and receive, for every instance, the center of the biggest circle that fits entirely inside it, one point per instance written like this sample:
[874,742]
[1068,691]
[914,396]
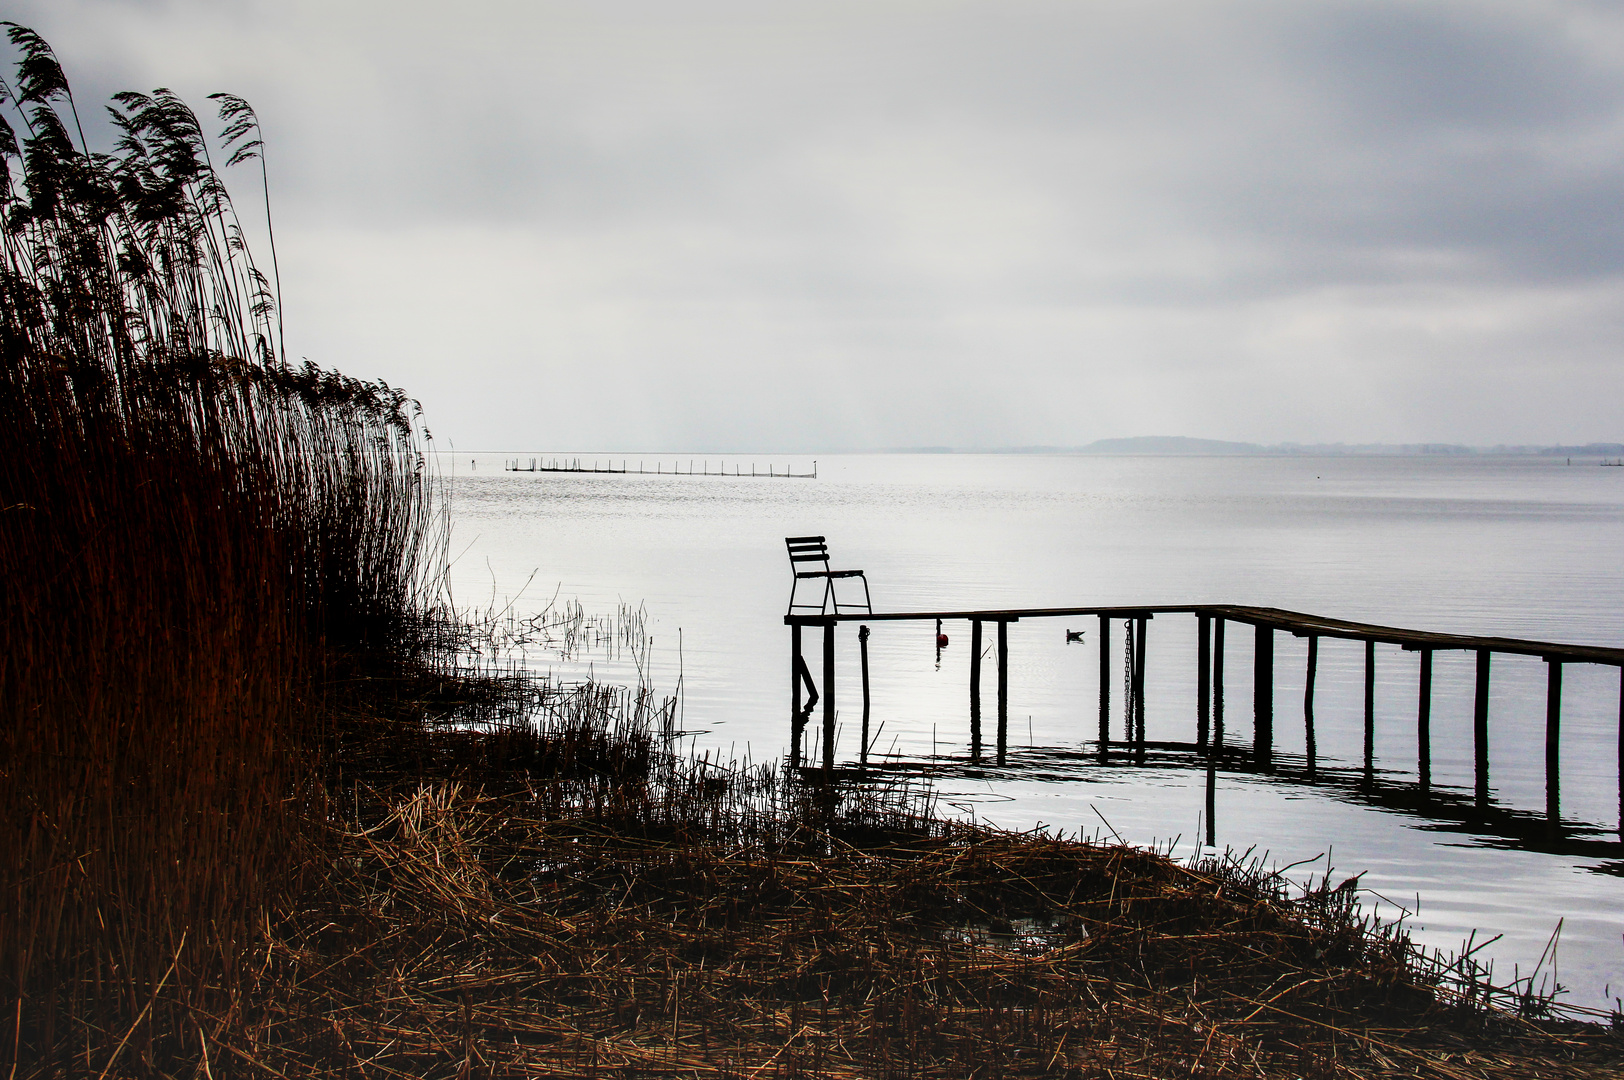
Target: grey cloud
[1175,204]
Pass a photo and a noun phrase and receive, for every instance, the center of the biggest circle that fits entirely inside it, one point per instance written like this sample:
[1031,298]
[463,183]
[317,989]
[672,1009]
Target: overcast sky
[827,225]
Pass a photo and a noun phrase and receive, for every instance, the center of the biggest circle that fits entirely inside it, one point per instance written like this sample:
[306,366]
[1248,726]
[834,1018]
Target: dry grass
[680,920]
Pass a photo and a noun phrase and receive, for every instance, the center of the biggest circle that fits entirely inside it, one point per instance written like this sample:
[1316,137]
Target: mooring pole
[1003,688]
[1308,704]
[1216,747]
[862,648]
[795,663]
[1553,743]
[1370,712]
[1203,678]
[829,698]
[1423,726]
[1263,697]
[1480,730]
[1139,690]
[1105,703]
[975,689]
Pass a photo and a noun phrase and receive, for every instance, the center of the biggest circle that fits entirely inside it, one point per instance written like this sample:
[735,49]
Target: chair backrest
[803,549]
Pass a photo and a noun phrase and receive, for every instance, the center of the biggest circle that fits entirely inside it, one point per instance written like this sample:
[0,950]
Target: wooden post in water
[1217,687]
[1423,726]
[1553,743]
[1105,701]
[1216,747]
[795,663]
[975,689]
[829,698]
[1263,696]
[862,648]
[1370,713]
[1003,688]
[1480,731]
[1203,678]
[1139,692]
[1308,704]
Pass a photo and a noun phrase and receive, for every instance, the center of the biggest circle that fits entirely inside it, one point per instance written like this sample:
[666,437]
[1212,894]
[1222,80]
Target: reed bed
[641,915]
[204,551]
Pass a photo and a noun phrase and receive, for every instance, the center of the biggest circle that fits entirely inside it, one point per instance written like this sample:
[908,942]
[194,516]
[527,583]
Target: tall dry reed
[198,543]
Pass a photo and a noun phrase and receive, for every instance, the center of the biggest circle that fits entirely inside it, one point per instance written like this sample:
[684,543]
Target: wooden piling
[1216,748]
[1217,687]
[1263,696]
[1480,731]
[1553,743]
[975,689]
[1423,726]
[1105,699]
[1203,679]
[862,648]
[1139,691]
[1003,688]
[795,663]
[1370,713]
[829,698]
[1311,753]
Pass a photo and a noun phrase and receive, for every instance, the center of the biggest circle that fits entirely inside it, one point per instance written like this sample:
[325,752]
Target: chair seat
[829,573]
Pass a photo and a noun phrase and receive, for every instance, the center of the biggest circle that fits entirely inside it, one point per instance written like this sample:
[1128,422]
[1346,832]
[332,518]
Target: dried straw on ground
[688,921]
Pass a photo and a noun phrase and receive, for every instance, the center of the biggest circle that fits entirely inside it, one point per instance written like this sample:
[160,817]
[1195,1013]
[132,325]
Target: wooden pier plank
[1296,622]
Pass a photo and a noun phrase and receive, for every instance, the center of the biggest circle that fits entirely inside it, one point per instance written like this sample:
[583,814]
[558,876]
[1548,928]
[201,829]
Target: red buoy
[941,641]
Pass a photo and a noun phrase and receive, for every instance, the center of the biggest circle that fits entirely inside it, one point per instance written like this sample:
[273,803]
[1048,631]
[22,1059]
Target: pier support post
[975,689]
[1311,752]
[1203,679]
[1216,747]
[1003,688]
[1423,726]
[1105,699]
[1370,713]
[1553,743]
[862,648]
[1217,687]
[828,699]
[1480,731]
[795,723]
[1139,691]
[1263,697]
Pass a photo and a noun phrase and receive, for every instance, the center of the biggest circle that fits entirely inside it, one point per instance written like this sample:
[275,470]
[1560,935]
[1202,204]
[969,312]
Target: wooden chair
[804,550]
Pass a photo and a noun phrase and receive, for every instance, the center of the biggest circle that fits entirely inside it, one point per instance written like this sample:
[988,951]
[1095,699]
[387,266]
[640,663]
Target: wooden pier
[1212,620]
[608,468]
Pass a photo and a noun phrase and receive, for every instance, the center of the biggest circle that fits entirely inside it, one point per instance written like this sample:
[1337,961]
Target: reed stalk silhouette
[200,546]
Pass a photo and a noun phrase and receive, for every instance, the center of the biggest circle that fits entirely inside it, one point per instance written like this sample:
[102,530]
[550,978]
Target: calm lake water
[1524,547]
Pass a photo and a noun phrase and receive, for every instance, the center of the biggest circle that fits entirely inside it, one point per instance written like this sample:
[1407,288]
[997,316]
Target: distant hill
[1171,444]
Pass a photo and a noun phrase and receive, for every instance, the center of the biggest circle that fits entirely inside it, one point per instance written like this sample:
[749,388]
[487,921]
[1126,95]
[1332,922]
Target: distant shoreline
[1158,446]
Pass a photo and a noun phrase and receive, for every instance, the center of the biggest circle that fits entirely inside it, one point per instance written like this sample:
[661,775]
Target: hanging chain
[1127,679]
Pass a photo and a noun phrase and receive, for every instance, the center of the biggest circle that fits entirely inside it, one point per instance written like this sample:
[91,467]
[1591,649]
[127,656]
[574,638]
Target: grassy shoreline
[494,905]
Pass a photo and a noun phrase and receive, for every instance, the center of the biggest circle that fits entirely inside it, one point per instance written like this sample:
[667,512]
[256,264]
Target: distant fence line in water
[1480,810]
[608,467]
